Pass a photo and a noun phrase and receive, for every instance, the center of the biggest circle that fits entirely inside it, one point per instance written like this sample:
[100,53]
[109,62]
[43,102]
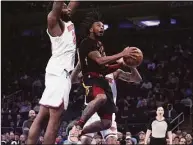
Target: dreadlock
[87,23]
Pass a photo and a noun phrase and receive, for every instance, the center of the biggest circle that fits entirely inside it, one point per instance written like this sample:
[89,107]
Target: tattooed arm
[103,60]
[96,56]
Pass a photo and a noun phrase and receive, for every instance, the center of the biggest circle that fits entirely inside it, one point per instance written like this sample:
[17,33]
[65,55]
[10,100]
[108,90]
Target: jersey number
[74,37]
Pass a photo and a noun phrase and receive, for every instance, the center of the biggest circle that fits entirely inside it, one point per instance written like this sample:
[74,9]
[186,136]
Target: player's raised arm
[73,6]
[55,14]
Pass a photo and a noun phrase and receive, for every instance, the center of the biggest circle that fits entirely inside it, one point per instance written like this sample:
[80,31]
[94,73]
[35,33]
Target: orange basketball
[132,62]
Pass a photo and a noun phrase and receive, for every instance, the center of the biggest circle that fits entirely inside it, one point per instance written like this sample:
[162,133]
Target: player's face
[97,28]
[66,12]
[160,111]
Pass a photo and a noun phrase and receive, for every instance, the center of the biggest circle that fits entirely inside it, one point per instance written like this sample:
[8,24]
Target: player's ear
[91,30]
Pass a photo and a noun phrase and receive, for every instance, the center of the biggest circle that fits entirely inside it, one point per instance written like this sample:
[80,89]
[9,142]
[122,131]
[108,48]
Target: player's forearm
[57,8]
[112,68]
[75,72]
[135,75]
[147,136]
[73,6]
[109,59]
[170,136]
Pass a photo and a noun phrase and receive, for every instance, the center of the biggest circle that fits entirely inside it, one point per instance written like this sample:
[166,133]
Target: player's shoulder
[86,40]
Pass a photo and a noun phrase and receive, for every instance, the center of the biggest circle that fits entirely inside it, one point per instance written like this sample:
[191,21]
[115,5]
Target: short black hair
[90,18]
[160,106]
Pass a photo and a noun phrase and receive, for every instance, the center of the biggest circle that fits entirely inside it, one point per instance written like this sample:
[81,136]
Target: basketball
[132,62]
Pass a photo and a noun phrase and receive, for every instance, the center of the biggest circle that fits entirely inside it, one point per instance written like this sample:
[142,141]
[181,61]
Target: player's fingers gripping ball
[135,59]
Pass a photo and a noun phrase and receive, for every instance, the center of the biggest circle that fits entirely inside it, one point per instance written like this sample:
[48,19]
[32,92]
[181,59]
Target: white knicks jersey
[112,84]
[63,51]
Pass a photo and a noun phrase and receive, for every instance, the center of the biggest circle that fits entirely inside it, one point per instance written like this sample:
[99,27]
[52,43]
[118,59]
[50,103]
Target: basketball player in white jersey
[57,79]
[110,135]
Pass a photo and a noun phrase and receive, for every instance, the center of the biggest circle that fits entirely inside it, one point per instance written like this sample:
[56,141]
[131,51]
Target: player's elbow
[99,61]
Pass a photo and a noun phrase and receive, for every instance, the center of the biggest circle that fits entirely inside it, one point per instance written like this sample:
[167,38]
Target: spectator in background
[176,140]
[189,140]
[147,85]
[12,138]
[19,121]
[7,136]
[37,106]
[37,87]
[170,112]
[41,140]
[151,66]
[179,133]
[182,140]
[3,140]
[27,124]
[64,135]
[22,139]
[120,138]
[9,122]
[129,137]
[128,141]
[161,100]
[17,138]
[141,137]
[25,107]
[187,102]
[98,139]
[157,88]
[184,133]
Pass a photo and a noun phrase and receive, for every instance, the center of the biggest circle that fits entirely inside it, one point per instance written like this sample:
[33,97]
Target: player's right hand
[130,52]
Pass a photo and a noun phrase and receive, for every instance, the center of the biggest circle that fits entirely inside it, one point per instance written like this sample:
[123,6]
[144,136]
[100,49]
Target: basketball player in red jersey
[95,65]
[57,78]
[109,135]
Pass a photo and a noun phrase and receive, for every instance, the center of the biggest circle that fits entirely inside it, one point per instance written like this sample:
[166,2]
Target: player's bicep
[54,15]
[94,55]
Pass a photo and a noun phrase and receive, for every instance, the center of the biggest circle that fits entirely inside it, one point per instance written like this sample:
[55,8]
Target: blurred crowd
[166,72]
[15,138]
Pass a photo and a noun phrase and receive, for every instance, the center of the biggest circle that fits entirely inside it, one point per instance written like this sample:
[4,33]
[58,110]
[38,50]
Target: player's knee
[53,124]
[106,123]
[102,98]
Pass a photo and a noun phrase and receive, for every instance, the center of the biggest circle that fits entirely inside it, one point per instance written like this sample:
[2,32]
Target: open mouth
[101,32]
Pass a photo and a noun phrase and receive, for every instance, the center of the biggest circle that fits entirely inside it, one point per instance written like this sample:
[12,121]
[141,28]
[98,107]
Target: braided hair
[90,18]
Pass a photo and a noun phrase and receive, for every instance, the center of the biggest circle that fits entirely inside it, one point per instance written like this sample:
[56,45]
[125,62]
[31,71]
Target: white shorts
[57,89]
[105,133]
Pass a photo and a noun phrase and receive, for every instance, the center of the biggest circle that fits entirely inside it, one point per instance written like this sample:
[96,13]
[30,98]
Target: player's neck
[92,36]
